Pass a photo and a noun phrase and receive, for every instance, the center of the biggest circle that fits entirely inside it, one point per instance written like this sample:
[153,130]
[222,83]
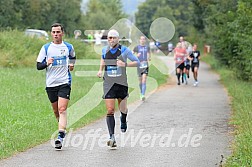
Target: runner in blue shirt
[114,63]
[143,53]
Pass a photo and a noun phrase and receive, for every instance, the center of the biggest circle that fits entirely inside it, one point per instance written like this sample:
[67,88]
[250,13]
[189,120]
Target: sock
[143,88]
[123,117]
[178,75]
[184,76]
[140,86]
[111,124]
[62,133]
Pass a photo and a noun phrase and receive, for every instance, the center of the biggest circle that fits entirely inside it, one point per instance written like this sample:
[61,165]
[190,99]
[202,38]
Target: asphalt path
[176,126]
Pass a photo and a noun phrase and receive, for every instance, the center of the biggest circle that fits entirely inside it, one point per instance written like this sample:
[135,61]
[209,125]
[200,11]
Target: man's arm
[102,65]
[149,54]
[134,60]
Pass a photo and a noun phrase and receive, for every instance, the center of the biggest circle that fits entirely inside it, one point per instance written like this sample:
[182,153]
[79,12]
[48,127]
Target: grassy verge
[241,96]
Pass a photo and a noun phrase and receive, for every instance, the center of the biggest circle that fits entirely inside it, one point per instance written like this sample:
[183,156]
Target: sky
[129,6]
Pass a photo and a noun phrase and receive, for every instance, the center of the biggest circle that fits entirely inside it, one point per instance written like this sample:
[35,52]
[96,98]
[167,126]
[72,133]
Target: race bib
[179,58]
[59,61]
[114,71]
[143,65]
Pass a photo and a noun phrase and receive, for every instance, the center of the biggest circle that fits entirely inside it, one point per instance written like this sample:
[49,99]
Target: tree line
[225,25]
[41,14]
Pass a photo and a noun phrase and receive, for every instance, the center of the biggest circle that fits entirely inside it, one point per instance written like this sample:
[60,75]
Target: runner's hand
[50,61]
[71,67]
[120,63]
[99,74]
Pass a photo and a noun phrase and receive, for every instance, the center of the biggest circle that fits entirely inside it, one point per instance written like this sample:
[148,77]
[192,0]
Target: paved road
[176,126]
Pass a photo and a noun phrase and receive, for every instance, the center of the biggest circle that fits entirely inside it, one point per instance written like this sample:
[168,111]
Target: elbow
[41,66]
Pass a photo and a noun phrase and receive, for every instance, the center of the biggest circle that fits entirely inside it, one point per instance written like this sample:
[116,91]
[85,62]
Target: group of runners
[58,58]
[186,56]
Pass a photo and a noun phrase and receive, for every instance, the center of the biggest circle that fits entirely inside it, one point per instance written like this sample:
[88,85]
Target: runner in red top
[179,55]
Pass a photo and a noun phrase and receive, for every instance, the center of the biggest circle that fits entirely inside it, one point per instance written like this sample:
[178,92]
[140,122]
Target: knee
[110,111]
[62,110]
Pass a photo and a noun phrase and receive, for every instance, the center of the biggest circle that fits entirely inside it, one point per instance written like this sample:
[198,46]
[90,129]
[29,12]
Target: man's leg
[110,119]
[184,75]
[140,84]
[196,73]
[122,104]
[143,86]
[178,75]
[62,110]
[55,110]
[62,106]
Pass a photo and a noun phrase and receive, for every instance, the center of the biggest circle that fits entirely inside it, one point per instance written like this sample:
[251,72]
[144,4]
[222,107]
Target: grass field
[26,117]
[241,121]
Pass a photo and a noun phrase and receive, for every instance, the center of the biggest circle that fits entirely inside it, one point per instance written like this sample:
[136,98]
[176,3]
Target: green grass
[241,120]
[26,117]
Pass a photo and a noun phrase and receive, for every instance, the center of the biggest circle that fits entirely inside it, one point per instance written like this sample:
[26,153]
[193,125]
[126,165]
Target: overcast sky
[129,6]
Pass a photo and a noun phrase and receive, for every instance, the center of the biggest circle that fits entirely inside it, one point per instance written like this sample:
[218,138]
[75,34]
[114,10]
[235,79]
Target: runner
[195,57]
[143,53]
[187,45]
[186,69]
[170,48]
[115,86]
[58,58]
[179,55]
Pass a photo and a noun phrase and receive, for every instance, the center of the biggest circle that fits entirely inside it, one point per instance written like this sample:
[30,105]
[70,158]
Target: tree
[102,14]
[179,12]
[39,14]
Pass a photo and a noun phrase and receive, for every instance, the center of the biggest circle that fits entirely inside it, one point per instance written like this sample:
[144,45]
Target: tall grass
[18,50]
[241,120]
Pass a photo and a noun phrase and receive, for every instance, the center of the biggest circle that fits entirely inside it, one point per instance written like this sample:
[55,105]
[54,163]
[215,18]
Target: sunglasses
[112,37]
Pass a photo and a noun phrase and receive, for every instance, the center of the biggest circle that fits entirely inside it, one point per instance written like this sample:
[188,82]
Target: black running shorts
[116,91]
[141,71]
[180,66]
[58,91]
[194,65]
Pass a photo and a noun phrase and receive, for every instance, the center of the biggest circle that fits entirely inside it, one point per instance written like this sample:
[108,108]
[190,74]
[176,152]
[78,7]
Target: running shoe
[143,98]
[123,127]
[196,83]
[58,142]
[111,143]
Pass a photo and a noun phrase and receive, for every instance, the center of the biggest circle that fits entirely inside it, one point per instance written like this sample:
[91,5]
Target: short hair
[113,33]
[58,25]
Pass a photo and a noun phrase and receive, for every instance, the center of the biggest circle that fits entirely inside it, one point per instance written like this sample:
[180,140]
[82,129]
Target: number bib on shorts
[143,65]
[114,71]
[59,61]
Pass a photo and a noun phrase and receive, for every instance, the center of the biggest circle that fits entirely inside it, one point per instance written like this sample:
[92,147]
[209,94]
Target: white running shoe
[196,83]
[111,143]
